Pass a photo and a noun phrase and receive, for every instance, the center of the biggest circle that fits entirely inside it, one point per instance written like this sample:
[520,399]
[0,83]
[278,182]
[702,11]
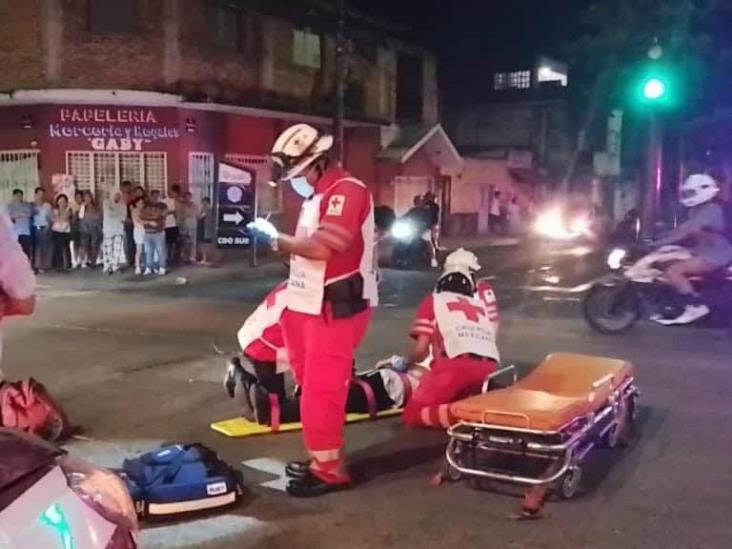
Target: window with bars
[306,48]
[512,80]
[97,171]
[201,174]
[269,199]
[18,170]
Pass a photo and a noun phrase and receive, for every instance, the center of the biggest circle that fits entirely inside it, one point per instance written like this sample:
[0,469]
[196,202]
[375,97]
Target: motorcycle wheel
[611,309]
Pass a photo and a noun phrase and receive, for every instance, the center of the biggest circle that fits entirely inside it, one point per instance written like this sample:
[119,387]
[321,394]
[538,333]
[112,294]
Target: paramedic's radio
[234,206]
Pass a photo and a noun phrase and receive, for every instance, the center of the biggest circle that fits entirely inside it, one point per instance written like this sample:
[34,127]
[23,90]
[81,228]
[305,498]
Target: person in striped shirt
[457,325]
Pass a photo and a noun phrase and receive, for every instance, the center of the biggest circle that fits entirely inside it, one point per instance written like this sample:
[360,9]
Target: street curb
[135,282]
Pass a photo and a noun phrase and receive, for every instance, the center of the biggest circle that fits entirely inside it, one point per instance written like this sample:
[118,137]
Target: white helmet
[461,261]
[297,148]
[698,189]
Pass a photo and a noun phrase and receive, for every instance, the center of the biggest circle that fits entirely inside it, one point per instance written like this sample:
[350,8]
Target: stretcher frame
[563,449]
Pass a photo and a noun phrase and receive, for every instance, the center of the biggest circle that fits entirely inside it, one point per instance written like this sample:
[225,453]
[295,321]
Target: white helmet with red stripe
[297,148]
[458,272]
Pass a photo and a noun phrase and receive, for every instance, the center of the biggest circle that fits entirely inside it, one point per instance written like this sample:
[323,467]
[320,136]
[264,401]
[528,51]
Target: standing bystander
[187,223]
[172,232]
[75,234]
[153,219]
[205,233]
[20,213]
[113,227]
[90,223]
[61,233]
[42,238]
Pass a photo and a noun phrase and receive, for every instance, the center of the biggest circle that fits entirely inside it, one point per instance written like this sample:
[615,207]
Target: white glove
[265,227]
[394,362]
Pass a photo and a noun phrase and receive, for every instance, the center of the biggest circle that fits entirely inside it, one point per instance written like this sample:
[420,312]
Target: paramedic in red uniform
[330,293]
[17,283]
[457,324]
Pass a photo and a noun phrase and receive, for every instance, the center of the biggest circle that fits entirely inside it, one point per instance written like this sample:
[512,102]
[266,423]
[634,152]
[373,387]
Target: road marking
[225,527]
[562,290]
[561,299]
[272,467]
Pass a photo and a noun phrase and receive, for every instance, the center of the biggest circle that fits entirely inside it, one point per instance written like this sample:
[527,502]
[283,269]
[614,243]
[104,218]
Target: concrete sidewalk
[477,242]
[233,267]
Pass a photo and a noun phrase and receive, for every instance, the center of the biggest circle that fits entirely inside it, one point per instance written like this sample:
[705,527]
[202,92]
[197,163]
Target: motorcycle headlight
[551,225]
[615,258]
[579,225]
[402,230]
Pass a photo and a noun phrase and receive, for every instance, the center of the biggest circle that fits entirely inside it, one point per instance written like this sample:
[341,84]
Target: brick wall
[49,44]
[133,61]
[21,56]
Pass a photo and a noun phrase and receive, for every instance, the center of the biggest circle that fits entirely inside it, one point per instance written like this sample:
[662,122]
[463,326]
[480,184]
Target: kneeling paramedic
[457,324]
[256,381]
[330,293]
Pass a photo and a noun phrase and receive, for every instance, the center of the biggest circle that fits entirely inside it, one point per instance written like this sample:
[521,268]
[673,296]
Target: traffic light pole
[654,177]
[341,68]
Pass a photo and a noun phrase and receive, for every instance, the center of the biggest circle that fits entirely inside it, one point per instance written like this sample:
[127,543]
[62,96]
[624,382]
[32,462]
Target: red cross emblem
[335,201]
[462,305]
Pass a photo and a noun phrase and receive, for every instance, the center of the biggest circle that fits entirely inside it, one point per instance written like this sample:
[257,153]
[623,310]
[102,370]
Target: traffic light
[656,86]
[654,89]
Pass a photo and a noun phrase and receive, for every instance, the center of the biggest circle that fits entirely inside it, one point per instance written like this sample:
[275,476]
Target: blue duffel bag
[180,479]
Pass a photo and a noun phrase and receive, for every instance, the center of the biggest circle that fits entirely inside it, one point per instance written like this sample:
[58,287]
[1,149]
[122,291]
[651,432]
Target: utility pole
[654,176]
[340,84]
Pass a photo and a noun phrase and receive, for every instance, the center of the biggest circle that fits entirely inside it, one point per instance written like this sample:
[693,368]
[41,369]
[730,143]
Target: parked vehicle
[50,500]
[411,244]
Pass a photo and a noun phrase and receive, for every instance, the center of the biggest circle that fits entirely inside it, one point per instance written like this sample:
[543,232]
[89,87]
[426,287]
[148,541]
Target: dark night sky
[472,37]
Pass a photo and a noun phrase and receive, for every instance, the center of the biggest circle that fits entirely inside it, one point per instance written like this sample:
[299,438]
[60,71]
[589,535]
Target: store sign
[112,128]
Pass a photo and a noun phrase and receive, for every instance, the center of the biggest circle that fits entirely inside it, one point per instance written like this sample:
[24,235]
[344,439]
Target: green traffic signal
[656,86]
[654,89]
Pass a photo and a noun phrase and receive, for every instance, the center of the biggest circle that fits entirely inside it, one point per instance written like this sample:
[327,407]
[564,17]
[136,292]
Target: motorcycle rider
[330,294]
[705,230]
[457,324]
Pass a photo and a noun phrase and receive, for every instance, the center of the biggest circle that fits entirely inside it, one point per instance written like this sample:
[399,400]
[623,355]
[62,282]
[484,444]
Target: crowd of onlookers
[125,227]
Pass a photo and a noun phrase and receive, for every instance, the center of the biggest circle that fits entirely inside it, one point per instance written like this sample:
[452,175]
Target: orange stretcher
[537,431]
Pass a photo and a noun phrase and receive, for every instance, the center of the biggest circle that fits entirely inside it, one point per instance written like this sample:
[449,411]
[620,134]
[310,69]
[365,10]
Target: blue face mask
[302,186]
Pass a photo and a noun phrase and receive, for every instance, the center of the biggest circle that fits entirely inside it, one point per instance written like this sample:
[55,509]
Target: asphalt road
[136,368]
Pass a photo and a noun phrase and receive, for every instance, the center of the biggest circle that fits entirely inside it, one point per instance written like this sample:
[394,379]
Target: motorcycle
[49,499]
[637,287]
[410,244]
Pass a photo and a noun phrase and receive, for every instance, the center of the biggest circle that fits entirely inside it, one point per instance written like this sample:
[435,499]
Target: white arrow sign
[273,467]
[235,218]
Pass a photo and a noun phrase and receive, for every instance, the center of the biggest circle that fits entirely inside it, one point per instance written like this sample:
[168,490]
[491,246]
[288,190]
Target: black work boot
[310,486]
[297,469]
[237,382]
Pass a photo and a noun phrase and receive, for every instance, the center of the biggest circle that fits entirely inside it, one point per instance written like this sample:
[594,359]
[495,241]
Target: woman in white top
[61,233]
[113,229]
[138,231]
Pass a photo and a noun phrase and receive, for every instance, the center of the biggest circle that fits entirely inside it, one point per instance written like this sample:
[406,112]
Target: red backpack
[27,405]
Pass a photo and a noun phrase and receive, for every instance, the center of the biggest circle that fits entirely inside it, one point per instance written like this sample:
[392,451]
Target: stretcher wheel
[611,438]
[570,482]
[452,474]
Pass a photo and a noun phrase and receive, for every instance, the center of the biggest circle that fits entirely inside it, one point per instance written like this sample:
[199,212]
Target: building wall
[21,46]
[49,44]
[520,126]
[112,60]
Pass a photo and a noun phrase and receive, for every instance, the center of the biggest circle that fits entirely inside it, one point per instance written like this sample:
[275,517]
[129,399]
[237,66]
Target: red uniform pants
[448,380]
[320,350]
